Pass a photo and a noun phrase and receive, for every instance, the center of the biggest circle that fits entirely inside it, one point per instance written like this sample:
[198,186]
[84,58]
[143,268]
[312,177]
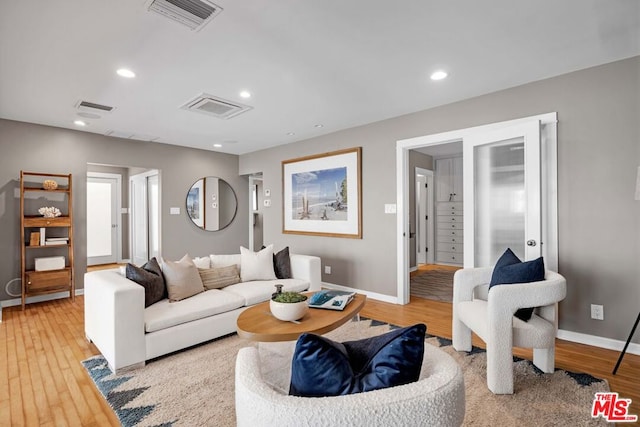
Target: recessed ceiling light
[79,123]
[245,94]
[439,75]
[217,145]
[291,133]
[123,72]
[319,125]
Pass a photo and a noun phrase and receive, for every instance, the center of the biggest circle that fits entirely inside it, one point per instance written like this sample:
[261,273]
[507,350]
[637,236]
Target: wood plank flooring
[42,382]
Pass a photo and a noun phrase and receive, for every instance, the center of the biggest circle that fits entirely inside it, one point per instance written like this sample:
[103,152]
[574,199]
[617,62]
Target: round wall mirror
[211,203]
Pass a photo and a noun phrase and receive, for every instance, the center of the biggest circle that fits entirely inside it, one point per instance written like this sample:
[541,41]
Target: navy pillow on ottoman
[322,367]
[509,269]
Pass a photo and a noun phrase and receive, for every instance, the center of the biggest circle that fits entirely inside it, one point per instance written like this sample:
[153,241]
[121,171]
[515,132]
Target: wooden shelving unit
[33,196]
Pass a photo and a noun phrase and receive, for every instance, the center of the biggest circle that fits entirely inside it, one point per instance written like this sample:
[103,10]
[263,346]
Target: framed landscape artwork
[322,194]
[195,203]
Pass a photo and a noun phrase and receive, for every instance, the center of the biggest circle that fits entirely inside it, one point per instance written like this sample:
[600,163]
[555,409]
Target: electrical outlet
[597,312]
[327,269]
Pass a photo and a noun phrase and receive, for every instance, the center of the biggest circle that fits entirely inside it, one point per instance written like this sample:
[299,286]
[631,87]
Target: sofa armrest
[114,317]
[306,267]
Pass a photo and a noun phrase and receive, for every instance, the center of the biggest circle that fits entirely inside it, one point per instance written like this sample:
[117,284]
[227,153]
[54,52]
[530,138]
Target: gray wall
[599,221]
[38,148]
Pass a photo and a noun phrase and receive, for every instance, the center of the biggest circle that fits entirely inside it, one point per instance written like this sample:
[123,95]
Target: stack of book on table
[331,299]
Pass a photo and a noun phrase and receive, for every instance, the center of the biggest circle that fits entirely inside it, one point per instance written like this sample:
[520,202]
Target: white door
[102,220]
[502,193]
[424,216]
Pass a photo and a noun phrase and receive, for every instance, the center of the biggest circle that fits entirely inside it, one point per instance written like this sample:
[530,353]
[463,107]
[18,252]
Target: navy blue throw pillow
[322,367]
[509,269]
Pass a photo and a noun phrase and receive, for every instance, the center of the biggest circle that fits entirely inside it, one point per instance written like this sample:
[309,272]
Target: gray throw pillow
[282,263]
[182,278]
[149,276]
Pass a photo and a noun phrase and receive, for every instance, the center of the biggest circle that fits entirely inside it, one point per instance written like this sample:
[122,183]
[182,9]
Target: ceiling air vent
[92,107]
[192,13]
[214,106]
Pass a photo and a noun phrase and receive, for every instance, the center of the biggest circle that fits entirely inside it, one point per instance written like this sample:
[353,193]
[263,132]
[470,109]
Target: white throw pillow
[257,265]
[202,262]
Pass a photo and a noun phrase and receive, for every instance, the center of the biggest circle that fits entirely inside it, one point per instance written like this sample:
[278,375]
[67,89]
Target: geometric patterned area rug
[433,284]
[196,387]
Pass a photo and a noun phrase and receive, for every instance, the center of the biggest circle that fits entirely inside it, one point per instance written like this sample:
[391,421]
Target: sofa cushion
[224,260]
[256,265]
[165,314]
[202,262]
[322,367]
[182,278]
[150,277]
[216,278]
[282,264]
[259,291]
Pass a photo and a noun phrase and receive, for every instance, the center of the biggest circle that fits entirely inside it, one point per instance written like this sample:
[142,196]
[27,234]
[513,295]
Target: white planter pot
[288,311]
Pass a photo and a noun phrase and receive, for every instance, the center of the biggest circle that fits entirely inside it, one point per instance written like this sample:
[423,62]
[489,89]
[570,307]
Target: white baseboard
[40,298]
[412,269]
[596,341]
[372,295]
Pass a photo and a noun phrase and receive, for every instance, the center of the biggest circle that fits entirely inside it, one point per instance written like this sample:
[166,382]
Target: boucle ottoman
[436,399]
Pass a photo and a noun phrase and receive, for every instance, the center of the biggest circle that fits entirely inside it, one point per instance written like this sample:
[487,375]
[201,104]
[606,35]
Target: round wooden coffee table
[257,323]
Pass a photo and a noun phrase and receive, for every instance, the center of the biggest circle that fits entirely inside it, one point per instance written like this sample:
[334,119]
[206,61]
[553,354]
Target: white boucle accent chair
[490,316]
[437,399]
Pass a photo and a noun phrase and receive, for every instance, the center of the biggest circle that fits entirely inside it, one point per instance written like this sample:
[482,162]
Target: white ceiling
[332,62]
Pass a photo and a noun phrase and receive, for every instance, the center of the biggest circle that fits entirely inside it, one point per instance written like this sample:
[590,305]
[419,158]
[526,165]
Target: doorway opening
[256,219]
[123,215]
[471,138]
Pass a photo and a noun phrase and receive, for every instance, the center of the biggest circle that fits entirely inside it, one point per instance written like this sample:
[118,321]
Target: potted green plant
[288,306]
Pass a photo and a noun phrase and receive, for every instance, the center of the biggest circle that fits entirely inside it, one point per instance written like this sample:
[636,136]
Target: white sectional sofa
[127,334]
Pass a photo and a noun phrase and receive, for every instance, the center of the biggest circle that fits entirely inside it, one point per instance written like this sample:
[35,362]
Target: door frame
[428,224]
[143,178]
[118,219]
[549,172]
[253,180]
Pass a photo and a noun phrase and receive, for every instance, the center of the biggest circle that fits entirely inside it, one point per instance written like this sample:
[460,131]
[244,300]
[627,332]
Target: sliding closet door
[502,193]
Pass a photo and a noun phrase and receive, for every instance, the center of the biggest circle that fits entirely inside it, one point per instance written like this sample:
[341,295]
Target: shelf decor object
[49,184]
[49,212]
[46,234]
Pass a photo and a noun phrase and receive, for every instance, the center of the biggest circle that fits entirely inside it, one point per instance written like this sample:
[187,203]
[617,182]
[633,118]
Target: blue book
[331,299]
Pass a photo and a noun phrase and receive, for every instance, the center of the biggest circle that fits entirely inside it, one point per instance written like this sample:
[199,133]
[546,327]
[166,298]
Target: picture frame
[195,203]
[322,194]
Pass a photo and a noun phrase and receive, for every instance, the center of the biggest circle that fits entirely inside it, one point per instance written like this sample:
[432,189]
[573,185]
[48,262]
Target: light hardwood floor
[42,382]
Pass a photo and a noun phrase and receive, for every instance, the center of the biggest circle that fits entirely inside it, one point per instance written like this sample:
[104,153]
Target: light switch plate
[267,192]
[390,208]
[267,203]
[174,211]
